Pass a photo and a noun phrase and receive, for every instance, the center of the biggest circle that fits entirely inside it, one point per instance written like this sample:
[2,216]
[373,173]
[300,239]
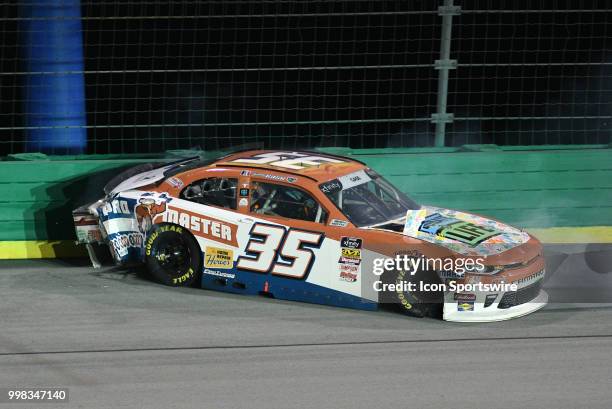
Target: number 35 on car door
[276,250]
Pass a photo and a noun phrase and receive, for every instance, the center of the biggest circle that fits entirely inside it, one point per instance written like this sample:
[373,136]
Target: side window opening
[220,192]
[285,201]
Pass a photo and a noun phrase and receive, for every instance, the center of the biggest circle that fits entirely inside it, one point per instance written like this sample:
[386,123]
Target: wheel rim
[173,256]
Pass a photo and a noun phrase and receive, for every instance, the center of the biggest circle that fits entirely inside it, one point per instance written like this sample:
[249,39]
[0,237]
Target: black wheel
[173,255]
[416,303]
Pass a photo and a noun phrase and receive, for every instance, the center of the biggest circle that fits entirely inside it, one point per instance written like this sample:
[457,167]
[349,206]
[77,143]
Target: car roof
[317,166]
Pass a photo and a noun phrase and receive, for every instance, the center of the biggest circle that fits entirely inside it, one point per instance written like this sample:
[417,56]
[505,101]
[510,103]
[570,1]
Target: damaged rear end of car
[121,219]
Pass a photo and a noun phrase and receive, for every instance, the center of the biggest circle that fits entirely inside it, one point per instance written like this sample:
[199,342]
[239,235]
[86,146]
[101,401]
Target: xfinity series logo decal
[351,242]
[330,187]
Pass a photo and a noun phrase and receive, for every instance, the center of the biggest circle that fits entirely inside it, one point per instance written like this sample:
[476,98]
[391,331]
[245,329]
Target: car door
[288,241]
[286,230]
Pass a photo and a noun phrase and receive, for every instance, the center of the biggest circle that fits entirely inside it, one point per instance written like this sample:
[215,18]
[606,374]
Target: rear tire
[173,256]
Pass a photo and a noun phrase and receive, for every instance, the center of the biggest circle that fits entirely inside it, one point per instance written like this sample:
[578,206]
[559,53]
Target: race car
[312,227]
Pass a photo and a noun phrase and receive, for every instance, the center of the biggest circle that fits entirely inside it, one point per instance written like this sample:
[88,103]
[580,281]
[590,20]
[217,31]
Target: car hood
[463,233]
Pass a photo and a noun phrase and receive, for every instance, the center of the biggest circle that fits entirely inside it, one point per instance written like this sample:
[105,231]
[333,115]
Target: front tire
[414,303]
[173,256]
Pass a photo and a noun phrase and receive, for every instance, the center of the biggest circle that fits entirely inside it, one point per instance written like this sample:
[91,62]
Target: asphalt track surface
[117,340]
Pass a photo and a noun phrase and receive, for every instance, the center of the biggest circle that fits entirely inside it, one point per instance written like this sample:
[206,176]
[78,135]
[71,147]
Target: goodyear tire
[173,255]
[414,303]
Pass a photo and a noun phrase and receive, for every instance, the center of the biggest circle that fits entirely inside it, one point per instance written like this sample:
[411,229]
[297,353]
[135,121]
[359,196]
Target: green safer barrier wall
[37,197]
[534,188]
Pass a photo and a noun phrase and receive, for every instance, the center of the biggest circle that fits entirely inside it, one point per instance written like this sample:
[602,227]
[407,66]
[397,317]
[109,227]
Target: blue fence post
[54,84]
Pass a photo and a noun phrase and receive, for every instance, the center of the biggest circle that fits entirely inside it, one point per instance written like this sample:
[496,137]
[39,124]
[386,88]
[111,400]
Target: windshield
[366,198]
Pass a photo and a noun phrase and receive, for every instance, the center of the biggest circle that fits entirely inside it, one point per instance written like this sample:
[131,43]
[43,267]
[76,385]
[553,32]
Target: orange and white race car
[313,227]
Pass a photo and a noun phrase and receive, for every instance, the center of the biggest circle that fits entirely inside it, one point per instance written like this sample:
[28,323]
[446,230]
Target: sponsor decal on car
[349,262]
[218,273]
[269,176]
[243,202]
[465,296]
[116,207]
[458,230]
[122,242]
[354,179]
[465,306]
[463,233]
[216,257]
[332,186]
[146,210]
[413,221]
[202,226]
[338,223]
[351,242]
[350,268]
[244,192]
[348,276]
[349,272]
[346,260]
[351,253]
[175,182]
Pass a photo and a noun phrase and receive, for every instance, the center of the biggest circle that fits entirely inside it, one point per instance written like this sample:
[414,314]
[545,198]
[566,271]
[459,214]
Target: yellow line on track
[572,235]
[40,249]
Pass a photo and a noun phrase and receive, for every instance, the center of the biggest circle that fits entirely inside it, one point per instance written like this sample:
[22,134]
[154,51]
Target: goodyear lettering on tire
[151,239]
[400,294]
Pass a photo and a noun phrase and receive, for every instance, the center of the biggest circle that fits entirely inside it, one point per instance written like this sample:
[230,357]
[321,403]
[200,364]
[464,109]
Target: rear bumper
[86,225]
[480,313]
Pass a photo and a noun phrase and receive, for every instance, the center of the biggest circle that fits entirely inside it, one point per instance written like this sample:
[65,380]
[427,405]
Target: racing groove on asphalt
[117,340]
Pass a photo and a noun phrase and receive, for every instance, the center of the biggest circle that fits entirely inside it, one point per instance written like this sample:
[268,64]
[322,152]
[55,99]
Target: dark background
[290,74]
